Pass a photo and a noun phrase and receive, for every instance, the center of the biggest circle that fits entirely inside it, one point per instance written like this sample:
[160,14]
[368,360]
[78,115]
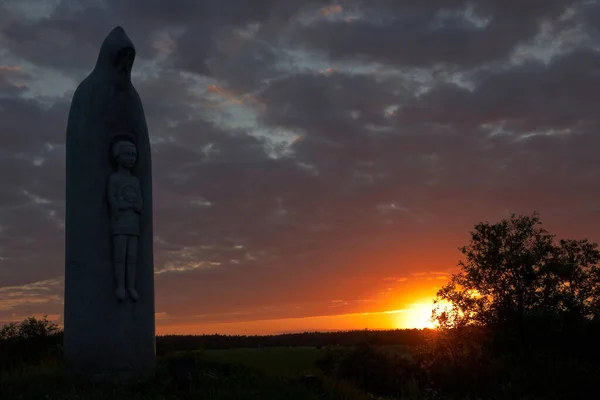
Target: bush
[31,341]
[457,363]
[382,371]
[463,363]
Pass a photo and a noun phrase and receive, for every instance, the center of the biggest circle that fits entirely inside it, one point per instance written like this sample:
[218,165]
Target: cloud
[20,302]
[12,79]
[523,99]
[305,152]
[452,32]
[31,194]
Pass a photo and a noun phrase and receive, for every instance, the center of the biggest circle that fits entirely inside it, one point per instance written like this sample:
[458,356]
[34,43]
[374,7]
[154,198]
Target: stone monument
[109,267]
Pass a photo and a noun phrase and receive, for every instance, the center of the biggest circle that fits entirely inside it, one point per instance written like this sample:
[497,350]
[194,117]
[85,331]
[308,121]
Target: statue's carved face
[123,63]
[126,155]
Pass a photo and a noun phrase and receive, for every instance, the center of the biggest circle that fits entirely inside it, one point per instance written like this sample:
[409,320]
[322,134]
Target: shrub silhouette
[382,371]
[30,341]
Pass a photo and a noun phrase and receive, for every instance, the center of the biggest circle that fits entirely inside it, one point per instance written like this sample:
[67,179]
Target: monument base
[116,377]
[103,335]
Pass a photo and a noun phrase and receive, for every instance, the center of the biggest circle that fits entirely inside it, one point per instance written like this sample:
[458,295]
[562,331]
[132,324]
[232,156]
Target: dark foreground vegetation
[524,324]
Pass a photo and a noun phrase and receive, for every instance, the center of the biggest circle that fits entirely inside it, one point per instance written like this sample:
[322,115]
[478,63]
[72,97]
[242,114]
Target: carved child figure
[125,203]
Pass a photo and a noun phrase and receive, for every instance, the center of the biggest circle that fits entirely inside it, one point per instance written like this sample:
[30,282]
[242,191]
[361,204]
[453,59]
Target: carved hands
[130,199]
[130,204]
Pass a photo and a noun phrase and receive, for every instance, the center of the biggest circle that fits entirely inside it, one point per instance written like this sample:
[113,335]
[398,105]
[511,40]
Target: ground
[235,374]
[287,362]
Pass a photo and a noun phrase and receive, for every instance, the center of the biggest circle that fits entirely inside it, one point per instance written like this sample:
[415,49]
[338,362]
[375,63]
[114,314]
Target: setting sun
[418,316]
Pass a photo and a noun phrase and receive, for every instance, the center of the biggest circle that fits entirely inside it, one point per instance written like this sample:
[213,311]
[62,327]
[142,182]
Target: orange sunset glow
[315,165]
[416,317]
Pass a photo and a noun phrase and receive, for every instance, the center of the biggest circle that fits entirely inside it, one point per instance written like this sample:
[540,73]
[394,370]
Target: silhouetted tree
[523,317]
[516,278]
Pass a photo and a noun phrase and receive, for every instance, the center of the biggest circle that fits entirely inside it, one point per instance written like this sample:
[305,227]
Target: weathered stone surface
[103,334]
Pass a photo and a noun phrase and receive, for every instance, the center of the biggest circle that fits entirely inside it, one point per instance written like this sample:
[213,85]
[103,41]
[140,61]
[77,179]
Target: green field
[277,361]
[235,374]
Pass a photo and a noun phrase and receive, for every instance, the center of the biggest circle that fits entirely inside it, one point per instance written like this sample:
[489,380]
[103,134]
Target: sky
[316,164]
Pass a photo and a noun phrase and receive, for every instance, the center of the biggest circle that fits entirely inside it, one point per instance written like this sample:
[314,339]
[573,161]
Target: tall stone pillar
[107,330]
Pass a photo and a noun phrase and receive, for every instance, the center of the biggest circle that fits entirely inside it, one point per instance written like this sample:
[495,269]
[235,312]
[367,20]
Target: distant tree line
[399,337]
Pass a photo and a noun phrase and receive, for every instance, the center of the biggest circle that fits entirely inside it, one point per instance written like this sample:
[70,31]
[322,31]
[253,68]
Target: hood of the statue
[114,46]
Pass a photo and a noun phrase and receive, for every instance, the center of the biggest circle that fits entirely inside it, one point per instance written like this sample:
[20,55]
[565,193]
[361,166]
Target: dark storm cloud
[310,101]
[412,33]
[228,55]
[334,113]
[68,39]
[210,45]
[528,97]
[437,154]
[31,193]
[547,115]
[217,37]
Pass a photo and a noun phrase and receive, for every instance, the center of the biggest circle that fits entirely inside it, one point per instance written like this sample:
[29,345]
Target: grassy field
[286,362]
[236,374]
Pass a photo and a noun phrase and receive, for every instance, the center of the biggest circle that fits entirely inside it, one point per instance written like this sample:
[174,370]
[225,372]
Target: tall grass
[190,375]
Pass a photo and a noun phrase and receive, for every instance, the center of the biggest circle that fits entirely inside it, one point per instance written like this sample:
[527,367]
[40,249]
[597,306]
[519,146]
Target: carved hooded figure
[101,334]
